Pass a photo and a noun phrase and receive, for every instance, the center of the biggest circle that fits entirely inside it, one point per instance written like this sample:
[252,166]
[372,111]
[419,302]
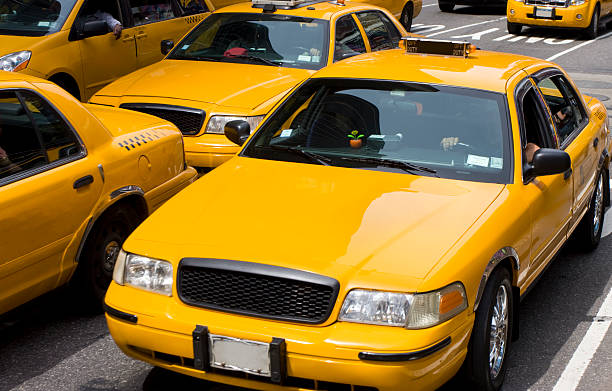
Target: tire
[514,28]
[96,264]
[588,233]
[406,18]
[484,374]
[446,6]
[592,31]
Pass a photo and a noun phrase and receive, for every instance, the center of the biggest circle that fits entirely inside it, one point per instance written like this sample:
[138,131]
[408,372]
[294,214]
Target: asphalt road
[48,344]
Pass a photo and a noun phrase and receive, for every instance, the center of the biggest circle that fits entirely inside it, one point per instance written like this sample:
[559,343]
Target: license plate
[242,355]
[543,12]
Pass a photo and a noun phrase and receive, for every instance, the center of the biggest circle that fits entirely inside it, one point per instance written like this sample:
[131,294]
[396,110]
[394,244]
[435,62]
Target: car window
[20,147]
[349,41]
[382,125]
[33,17]
[191,7]
[106,10]
[378,30]
[58,140]
[150,11]
[261,39]
[565,108]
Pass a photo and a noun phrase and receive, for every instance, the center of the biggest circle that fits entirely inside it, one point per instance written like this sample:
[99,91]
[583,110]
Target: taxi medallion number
[240,355]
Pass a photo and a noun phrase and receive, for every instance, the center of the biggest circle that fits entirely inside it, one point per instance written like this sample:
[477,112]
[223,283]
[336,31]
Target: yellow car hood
[222,83]
[365,228]
[120,121]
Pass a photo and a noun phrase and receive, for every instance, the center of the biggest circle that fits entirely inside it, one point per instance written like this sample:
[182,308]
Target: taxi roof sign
[438,46]
[281,3]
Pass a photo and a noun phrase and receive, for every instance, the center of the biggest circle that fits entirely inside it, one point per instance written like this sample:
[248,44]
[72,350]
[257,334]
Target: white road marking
[466,26]
[607,224]
[476,36]
[427,28]
[570,378]
[553,41]
[551,58]
[429,5]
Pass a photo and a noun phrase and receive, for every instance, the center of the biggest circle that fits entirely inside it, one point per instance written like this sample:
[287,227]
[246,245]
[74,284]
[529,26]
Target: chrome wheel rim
[499,332]
[110,256]
[598,204]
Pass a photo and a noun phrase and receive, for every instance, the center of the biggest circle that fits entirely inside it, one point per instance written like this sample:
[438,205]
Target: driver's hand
[315,52]
[117,31]
[448,143]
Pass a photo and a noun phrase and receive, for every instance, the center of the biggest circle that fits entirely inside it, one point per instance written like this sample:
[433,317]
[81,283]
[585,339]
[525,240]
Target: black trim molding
[410,356]
[115,313]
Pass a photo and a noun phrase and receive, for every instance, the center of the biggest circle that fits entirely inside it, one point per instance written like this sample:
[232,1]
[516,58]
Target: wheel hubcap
[499,332]
[110,256]
[597,205]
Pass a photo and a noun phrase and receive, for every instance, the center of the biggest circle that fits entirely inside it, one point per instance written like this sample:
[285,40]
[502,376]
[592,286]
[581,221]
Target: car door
[550,197]
[348,39]
[577,135]
[158,20]
[47,190]
[380,31]
[105,57]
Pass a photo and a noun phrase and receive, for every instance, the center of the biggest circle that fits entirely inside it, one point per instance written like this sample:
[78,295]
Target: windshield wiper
[408,167]
[315,157]
[258,59]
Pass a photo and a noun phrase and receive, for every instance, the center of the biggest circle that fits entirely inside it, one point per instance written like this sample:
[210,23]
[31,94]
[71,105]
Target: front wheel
[406,18]
[446,6]
[486,363]
[514,28]
[592,30]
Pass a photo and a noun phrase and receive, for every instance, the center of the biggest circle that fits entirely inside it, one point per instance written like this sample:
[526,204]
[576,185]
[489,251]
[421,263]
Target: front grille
[187,119]
[256,290]
[551,3]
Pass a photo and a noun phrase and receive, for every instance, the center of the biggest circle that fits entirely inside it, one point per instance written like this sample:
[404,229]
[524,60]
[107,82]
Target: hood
[120,121]
[225,84]
[364,228]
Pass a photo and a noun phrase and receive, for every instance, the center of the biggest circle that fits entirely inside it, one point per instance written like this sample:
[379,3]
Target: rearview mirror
[94,28]
[237,131]
[166,46]
[547,161]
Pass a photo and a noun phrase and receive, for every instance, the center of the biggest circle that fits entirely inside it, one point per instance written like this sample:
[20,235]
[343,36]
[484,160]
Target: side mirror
[166,46]
[237,131]
[548,161]
[94,28]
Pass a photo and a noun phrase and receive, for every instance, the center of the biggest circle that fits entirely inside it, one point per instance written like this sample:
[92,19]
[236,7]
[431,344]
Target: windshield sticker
[286,133]
[185,47]
[316,58]
[44,24]
[497,162]
[398,92]
[476,160]
[304,58]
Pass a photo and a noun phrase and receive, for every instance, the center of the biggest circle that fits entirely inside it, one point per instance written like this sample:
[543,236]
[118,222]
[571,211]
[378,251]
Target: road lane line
[428,5]
[578,46]
[466,26]
[570,378]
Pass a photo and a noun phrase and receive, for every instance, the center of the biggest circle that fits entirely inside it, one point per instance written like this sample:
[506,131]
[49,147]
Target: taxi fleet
[242,59]
[74,182]
[584,15]
[376,232]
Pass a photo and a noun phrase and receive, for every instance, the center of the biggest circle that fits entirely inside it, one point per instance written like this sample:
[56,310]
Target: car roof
[482,69]
[320,10]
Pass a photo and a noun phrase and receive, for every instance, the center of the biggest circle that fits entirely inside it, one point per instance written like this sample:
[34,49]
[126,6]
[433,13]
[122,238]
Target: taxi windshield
[263,39]
[421,129]
[33,17]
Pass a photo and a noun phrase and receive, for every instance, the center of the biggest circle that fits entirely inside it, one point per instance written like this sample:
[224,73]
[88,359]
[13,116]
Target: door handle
[86,180]
[595,142]
[128,38]
[141,35]
[567,174]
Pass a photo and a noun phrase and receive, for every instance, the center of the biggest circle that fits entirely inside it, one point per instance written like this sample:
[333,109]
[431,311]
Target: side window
[536,131]
[106,10]
[348,39]
[20,147]
[564,106]
[377,30]
[150,11]
[191,7]
[58,140]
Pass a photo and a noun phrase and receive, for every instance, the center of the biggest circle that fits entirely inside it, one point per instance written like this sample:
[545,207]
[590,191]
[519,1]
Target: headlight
[15,61]
[216,123]
[577,2]
[153,275]
[412,311]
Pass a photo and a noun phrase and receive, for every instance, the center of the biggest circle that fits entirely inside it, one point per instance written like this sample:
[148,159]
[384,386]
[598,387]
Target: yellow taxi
[70,41]
[243,59]
[585,15]
[376,232]
[75,180]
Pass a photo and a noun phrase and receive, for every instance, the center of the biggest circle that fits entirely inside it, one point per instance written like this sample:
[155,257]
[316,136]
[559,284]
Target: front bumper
[395,358]
[565,17]
[208,150]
